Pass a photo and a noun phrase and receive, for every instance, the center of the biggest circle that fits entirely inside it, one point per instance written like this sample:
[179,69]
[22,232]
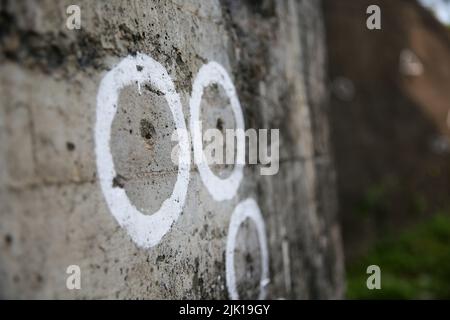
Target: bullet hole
[119,181]
[70,146]
[8,239]
[219,124]
[139,68]
[147,130]
[214,88]
[249,259]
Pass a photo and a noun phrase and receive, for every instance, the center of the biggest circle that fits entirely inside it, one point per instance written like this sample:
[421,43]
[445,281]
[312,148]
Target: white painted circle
[246,209]
[220,189]
[145,230]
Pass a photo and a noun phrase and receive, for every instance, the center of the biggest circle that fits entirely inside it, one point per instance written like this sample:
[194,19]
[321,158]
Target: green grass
[414,264]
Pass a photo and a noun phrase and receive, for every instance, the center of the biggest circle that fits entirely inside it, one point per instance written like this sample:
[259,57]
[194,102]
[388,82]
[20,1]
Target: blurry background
[390,121]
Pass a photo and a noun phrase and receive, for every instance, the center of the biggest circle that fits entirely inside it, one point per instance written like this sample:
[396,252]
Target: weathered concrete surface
[52,210]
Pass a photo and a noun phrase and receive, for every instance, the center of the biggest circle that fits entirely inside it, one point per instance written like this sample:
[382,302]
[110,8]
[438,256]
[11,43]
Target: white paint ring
[246,209]
[145,230]
[220,189]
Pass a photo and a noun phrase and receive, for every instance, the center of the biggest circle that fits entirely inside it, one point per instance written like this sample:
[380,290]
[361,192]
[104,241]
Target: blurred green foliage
[415,264]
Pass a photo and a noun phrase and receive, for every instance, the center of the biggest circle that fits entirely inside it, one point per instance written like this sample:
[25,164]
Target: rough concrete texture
[53,212]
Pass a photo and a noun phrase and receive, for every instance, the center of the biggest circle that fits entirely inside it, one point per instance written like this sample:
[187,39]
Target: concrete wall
[53,210]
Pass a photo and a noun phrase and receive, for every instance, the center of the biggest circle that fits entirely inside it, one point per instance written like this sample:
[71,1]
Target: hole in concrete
[8,239]
[141,147]
[70,146]
[147,131]
[118,181]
